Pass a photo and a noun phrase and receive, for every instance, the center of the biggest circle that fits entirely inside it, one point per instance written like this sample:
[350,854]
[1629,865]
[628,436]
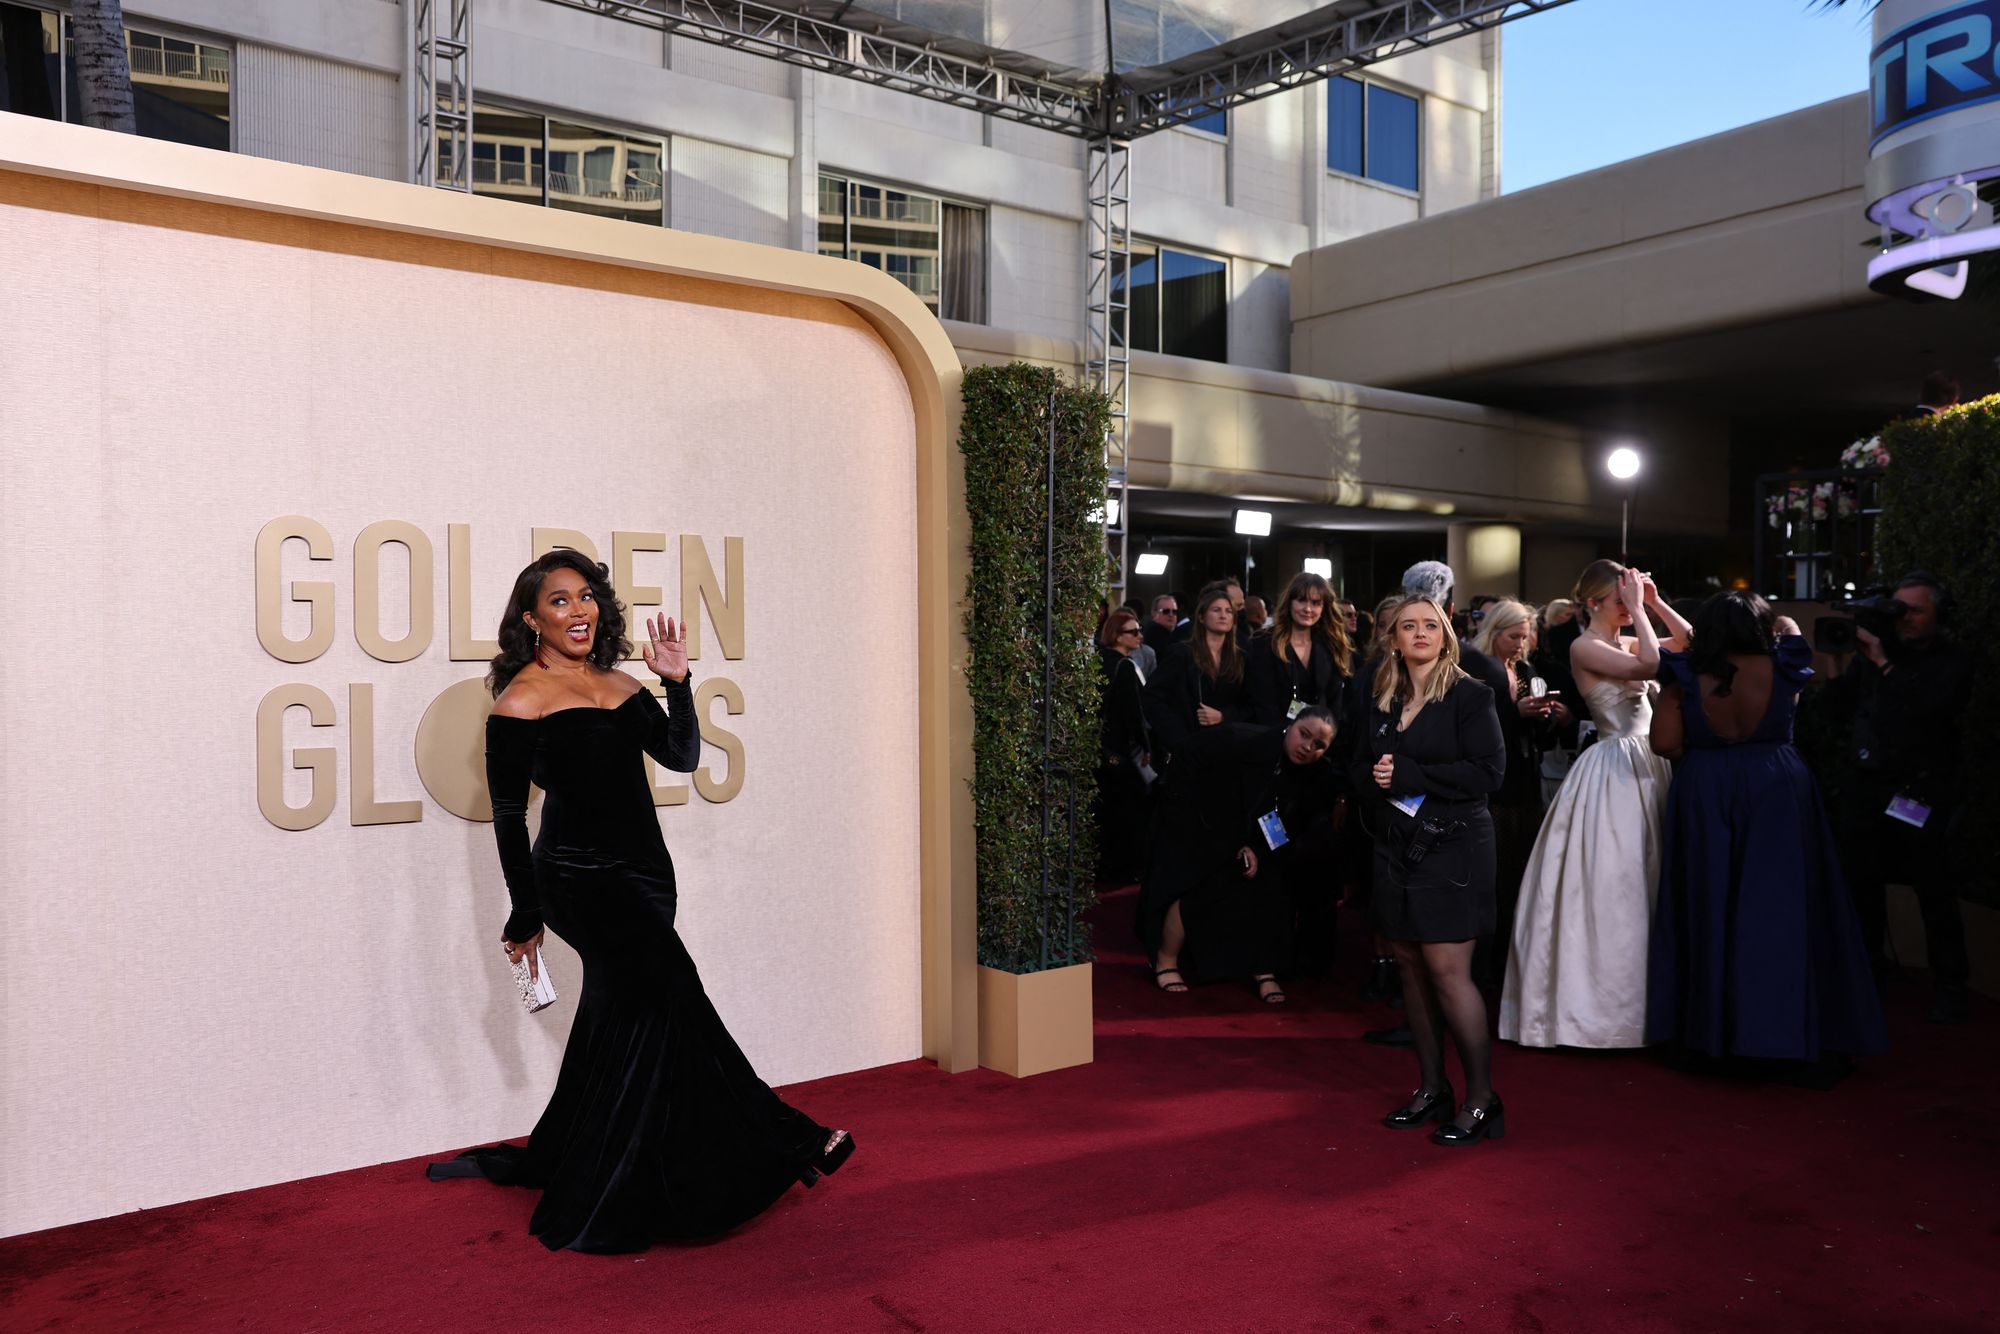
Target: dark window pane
[1343,124]
[501,143]
[605,173]
[1143,294]
[180,90]
[1392,138]
[1215,122]
[899,233]
[833,217]
[30,74]
[1194,306]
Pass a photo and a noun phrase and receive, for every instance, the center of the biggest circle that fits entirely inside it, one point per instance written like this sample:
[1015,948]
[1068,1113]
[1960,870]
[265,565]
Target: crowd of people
[1591,813]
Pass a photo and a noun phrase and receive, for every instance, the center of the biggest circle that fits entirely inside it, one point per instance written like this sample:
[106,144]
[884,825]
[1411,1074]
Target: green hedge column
[1941,513]
[1005,442]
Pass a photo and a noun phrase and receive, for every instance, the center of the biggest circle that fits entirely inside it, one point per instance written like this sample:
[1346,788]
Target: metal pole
[1625,531]
[1048,663]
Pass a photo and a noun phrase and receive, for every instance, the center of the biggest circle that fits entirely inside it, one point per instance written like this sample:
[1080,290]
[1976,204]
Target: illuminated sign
[1941,63]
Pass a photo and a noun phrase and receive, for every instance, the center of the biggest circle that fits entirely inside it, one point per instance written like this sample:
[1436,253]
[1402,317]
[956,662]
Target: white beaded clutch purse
[537,993]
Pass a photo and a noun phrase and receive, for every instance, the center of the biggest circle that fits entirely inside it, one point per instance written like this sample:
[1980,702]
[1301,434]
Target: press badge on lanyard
[1407,805]
[1297,707]
[1909,810]
[1275,836]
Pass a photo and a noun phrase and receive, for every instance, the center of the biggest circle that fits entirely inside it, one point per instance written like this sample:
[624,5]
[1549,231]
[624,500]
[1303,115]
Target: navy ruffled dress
[1756,950]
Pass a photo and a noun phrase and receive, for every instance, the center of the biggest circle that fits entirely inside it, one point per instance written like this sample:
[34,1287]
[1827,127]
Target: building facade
[983,218]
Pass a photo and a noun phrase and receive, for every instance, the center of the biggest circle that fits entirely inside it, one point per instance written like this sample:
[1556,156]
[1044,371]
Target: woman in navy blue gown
[1756,949]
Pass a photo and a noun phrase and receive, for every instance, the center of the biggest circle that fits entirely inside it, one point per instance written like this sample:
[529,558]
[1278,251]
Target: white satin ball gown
[1576,975]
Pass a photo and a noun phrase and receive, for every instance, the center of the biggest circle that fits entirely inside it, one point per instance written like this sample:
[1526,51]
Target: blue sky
[1597,81]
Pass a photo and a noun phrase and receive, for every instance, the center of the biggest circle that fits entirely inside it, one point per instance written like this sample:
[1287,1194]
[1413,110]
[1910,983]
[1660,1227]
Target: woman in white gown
[1576,976]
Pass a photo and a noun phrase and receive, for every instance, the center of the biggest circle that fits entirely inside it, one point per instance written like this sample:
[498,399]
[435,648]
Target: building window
[1178,302]
[180,85]
[1371,131]
[935,247]
[1215,122]
[535,159]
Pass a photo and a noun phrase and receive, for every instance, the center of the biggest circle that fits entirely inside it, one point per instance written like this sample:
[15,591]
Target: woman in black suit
[1121,752]
[1431,756]
[1200,681]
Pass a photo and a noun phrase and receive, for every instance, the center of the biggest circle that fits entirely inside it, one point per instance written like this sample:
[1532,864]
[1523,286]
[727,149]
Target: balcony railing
[1816,532]
[208,65]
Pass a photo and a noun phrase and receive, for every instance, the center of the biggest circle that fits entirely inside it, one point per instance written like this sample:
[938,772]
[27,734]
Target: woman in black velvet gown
[658,1128]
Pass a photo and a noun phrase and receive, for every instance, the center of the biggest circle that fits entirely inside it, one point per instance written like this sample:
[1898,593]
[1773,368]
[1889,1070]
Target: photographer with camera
[1904,695]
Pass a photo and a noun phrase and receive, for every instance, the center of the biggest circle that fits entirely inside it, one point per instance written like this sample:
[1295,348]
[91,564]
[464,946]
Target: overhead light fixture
[1253,523]
[1150,562]
[1623,463]
[1320,566]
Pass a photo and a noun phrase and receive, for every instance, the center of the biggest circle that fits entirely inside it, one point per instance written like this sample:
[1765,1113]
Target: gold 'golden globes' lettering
[317,594]
[450,740]
[368,590]
[320,760]
[724,689]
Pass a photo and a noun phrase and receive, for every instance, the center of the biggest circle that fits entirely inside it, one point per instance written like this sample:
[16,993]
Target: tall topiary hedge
[1941,512]
[1005,441]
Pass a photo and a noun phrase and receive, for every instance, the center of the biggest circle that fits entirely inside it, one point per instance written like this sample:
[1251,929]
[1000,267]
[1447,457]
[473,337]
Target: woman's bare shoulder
[625,684]
[518,700]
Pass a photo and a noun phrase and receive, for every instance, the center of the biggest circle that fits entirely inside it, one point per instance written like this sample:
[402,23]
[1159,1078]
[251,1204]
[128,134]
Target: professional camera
[1876,611]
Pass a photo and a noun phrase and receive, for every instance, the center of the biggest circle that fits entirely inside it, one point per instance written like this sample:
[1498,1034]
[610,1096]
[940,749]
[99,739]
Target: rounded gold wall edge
[31,146]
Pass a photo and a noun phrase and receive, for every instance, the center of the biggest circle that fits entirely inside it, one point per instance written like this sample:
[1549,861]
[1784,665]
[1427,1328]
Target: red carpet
[1218,1168]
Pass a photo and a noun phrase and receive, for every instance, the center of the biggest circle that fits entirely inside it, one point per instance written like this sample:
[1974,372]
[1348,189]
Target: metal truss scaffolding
[1333,39]
[1108,351]
[978,83]
[444,94]
[1108,109]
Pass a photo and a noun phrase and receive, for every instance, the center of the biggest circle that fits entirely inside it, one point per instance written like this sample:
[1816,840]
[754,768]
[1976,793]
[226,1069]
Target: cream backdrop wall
[198,1001]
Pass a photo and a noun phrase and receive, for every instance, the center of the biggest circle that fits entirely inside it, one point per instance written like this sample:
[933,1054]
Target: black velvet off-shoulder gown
[658,1128]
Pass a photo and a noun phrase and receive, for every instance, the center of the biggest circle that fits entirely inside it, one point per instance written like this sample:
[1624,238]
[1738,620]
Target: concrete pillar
[1486,557]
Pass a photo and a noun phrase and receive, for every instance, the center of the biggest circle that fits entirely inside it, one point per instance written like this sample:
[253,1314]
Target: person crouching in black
[1306,661]
[1216,901]
[1431,755]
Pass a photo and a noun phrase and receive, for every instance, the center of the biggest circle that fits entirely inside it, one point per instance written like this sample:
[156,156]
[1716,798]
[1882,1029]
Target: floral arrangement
[1811,502]
[1868,453]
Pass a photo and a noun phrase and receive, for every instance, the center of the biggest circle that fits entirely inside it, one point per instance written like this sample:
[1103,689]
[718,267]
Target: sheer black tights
[1438,997]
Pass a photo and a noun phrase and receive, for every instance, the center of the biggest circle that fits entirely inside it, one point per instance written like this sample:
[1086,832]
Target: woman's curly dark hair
[517,641]
[1732,622]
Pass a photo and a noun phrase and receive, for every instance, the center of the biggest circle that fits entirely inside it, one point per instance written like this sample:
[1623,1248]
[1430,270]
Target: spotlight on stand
[1320,566]
[1150,562]
[1250,525]
[1624,463]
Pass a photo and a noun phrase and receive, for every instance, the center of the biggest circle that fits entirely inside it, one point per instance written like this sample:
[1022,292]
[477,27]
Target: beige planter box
[1030,1023]
[1982,937]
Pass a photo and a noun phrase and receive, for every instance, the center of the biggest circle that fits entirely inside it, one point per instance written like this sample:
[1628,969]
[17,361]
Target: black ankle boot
[1422,1109]
[1488,1122]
